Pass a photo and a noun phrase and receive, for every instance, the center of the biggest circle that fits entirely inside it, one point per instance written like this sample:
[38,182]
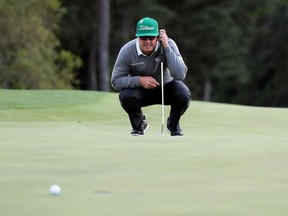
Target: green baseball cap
[147,27]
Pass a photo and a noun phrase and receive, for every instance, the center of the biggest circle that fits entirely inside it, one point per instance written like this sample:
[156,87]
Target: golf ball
[55,189]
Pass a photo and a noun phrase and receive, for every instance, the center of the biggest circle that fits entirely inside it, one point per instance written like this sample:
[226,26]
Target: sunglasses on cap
[147,37]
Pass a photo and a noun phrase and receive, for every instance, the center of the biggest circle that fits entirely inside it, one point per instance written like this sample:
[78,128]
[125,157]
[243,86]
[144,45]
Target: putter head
[162,129]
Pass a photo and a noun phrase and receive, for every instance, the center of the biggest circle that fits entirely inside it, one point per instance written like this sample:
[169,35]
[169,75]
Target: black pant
[176,94]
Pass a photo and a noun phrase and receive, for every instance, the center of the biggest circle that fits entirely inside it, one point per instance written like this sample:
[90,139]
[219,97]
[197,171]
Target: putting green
[232,160]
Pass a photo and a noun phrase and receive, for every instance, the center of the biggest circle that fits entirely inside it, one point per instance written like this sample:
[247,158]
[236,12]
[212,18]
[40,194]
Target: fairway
[232,160]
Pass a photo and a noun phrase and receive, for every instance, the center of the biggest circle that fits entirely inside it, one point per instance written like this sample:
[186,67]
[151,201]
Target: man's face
[147,44]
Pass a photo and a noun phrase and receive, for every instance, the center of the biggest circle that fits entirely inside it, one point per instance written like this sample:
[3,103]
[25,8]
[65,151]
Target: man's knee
[128,99]
[183,94]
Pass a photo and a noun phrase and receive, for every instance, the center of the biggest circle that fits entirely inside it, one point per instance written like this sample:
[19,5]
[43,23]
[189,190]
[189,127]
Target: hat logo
[144,27]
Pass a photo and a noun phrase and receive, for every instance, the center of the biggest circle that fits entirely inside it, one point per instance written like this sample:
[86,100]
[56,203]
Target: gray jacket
[131,63]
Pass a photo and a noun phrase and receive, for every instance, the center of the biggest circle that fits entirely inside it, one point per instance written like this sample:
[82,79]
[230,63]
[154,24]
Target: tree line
[236,51]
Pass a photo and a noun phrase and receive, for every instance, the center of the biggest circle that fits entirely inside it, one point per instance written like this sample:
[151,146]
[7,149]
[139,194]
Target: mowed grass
[232,160]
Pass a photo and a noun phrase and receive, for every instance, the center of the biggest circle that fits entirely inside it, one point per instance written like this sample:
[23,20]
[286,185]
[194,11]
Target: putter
[162,90]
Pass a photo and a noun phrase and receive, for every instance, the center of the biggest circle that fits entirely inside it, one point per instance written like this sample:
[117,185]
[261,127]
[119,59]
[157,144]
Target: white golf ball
[55,189]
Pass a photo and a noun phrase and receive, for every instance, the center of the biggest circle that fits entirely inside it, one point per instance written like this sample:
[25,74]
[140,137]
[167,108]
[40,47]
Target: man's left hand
[163,37]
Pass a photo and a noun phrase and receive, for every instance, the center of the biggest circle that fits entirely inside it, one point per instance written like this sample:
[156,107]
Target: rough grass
[232,160]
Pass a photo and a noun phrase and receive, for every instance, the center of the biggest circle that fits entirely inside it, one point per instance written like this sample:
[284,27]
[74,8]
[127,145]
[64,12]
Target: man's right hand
[148,82]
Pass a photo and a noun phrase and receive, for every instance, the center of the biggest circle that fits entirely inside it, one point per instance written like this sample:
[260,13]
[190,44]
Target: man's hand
[163,37]
[148,82]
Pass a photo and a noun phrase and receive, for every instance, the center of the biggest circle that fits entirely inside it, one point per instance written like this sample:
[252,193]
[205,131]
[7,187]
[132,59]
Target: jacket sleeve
[120,77]
[175,62]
